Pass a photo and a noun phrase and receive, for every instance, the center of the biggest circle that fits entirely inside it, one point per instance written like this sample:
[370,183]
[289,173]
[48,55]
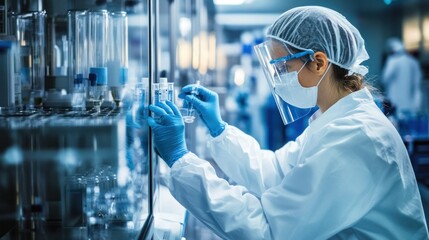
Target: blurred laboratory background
[77,77]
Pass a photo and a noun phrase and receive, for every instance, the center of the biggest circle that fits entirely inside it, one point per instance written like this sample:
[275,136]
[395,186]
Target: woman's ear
[320,63]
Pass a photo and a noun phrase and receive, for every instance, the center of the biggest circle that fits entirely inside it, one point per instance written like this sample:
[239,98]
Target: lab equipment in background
[4,6]
[188,111]
[78,44]
[12,30]
[98,88]
[119,91]
[31,50]
[118,55]
[79,94]
[7,71]
[98,179]
[57,48]
[98,42]
[118,49]
[140,103]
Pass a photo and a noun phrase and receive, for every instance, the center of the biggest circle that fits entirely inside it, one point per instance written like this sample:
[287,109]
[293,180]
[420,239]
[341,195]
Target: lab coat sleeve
[230,211]
[330,192]
[241,158]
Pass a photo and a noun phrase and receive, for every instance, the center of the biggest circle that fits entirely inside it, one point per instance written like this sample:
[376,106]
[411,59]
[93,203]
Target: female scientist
[347,176]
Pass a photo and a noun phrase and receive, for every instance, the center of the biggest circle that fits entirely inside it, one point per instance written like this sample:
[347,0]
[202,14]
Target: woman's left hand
[168,132]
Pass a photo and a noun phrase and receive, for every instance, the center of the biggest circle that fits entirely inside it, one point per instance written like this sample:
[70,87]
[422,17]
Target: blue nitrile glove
[168,132]
[206,103]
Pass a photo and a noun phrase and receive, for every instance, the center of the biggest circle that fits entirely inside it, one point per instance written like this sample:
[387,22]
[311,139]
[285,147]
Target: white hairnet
[395,45]
[322,29]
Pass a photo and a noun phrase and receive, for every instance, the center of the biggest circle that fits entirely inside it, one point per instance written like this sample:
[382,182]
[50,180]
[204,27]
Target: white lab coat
[348,176]
[402,77]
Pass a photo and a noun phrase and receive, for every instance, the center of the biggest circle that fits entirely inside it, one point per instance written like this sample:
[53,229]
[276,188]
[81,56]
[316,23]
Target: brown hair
[353,82]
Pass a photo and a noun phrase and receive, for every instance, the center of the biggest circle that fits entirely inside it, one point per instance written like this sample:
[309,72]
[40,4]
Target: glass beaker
[188,114]
[30,30]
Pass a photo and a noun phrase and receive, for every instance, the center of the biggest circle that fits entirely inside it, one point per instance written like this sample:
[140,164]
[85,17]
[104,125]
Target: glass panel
[70,171]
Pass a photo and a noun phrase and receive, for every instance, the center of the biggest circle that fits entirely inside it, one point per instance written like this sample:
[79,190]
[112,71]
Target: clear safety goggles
[280,65]
[273,56]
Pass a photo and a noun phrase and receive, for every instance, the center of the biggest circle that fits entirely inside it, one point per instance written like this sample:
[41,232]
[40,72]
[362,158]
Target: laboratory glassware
[7,70]
[97,88]
[98,39]
[118,48]
[188,111]
[31,49]
[77,21]
[79,94]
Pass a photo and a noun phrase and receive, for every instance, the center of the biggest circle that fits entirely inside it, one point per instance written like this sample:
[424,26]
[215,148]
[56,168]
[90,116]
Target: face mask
[291,91]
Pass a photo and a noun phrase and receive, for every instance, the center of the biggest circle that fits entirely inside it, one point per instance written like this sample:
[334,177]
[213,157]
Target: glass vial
[163,89]
[170,92]
[188,111]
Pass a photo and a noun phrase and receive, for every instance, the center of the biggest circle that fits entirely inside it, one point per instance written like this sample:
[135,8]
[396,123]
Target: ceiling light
[229,2]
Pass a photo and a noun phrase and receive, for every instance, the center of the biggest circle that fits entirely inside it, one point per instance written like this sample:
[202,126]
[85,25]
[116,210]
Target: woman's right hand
[206,103]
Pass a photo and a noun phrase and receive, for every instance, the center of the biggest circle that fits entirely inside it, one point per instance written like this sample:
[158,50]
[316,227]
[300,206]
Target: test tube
[98,39]
[170,89]
[163,89]
[118,48]
[140,101]
[78,44]
[30,32]
[188,112]
[156,93]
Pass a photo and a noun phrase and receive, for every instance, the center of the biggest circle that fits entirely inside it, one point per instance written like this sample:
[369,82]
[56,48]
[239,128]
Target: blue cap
[92,79]
[101,73]
[247,49]
[78,79]
[258,40]
[5,44]
[123,77]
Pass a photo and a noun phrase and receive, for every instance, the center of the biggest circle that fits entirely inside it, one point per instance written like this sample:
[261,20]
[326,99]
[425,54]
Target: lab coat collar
[341,107]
